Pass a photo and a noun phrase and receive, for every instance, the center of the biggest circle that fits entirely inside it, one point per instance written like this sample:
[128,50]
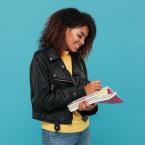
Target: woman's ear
[67,31]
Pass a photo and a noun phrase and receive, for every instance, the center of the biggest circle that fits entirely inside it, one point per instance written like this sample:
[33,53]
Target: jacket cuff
[91,112]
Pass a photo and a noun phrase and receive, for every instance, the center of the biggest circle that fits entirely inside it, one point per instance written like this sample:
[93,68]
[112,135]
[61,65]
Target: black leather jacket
[53,87]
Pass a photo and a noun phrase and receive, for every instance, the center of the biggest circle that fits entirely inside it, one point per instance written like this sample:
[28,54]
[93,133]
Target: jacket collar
[52,54]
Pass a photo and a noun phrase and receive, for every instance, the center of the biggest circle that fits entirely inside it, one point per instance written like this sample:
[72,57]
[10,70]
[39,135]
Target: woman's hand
[85,106]
[92,87]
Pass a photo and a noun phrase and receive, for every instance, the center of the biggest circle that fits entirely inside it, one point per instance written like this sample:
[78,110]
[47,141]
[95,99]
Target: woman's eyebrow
[83,34]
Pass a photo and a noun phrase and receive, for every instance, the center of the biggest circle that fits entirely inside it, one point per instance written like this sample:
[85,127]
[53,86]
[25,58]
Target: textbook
[105,95]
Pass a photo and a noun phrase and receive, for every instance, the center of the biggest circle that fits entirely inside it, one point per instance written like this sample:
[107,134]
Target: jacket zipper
[61,80]
[83,72]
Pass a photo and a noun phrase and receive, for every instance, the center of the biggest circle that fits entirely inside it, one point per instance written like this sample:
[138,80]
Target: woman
[58,76]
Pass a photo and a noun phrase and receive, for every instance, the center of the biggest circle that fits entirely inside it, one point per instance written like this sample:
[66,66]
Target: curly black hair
[53,34]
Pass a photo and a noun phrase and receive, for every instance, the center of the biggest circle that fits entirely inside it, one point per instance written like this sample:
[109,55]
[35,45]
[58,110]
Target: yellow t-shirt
[78,124]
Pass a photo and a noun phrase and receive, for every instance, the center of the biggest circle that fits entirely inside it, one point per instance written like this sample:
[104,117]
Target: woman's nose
[82,41]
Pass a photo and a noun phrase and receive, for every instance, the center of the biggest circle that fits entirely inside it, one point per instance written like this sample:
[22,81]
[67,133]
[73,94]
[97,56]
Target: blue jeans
[57,138]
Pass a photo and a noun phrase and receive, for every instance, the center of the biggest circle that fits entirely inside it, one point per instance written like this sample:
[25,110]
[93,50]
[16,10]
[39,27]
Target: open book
[105,95]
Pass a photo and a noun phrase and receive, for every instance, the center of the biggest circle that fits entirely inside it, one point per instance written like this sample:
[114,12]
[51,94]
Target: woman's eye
[79,36]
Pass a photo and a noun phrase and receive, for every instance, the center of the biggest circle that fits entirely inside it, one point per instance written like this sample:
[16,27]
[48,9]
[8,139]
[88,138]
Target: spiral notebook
[105,95]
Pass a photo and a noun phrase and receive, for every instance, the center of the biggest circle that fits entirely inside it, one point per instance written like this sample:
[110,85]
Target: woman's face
[75,37]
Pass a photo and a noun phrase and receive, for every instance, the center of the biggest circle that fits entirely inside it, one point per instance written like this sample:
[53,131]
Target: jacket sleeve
[41,92]
[91,112]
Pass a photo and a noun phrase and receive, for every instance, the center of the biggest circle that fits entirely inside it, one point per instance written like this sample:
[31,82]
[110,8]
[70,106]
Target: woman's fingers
[92,87]
[85,106]
[97,85]
[98,88]
[82,106]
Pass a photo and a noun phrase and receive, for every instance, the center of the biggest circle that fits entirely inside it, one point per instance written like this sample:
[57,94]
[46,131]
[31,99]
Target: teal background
[117,60]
